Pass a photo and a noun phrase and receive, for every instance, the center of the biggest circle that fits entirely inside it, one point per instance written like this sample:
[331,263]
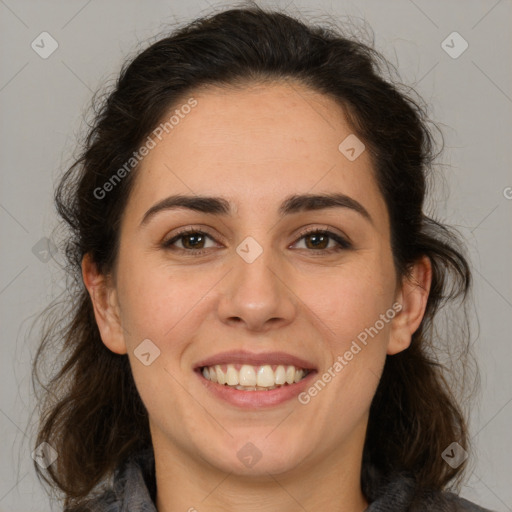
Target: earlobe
[413,296]
[105,304]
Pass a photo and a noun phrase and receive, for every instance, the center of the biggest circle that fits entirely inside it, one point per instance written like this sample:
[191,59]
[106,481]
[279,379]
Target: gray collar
[133,489]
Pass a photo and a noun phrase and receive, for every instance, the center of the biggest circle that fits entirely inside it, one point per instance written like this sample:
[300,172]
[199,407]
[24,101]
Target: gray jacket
[133,489]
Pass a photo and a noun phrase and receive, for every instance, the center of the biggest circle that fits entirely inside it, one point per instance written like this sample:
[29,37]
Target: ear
[106,307]
[412,295]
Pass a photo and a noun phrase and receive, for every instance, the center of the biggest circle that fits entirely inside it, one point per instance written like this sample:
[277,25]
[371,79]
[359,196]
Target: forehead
[255,145]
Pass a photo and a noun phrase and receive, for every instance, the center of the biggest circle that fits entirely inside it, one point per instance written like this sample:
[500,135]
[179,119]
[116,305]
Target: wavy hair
[90,410]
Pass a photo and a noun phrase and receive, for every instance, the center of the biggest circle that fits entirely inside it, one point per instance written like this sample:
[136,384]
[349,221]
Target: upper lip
[256,359]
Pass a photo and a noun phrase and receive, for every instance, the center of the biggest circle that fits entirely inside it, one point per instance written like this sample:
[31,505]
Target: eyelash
[342,243]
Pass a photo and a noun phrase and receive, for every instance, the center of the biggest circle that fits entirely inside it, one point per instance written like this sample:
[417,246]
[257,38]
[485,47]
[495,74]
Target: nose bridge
[256,291]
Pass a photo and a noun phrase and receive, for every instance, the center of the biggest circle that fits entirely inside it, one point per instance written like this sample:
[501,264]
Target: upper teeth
[263,376]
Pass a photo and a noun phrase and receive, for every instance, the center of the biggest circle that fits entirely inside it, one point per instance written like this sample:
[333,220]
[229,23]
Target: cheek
[349,300]
[156,298]
[355,311]
[161,302]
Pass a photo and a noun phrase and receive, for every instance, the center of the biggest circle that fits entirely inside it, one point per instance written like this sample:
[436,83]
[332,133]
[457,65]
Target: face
[253,279]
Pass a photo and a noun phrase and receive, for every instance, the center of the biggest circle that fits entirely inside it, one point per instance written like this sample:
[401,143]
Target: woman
[256,284]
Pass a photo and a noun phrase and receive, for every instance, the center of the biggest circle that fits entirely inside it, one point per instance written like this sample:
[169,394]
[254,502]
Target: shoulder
[401,494]
[131,488]
[444,501]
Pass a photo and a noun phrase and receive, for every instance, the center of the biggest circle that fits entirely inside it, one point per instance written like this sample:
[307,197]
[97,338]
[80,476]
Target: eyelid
[187,230]
[192,227]
[343,241]
[331,231]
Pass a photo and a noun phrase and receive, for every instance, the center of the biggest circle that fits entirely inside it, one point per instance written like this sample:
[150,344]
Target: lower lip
[257,399]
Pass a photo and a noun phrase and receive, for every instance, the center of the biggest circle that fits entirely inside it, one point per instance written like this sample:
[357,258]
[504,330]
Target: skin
[255,146]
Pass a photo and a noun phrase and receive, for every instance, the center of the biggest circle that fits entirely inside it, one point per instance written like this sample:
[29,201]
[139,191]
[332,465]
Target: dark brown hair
[91,412]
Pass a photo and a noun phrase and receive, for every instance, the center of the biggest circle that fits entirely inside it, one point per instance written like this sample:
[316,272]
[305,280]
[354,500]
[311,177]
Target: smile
[248,377]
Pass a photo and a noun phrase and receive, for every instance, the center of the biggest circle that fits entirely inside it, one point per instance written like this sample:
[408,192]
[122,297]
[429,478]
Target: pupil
[316,236]
[196,239]
[193,237]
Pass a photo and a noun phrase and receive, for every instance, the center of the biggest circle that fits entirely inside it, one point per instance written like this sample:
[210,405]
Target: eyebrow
[292,204]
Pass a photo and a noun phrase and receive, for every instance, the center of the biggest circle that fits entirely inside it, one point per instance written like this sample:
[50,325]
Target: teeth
[253,378]
[232,376]
[221,378]
[265,377]
[247,376]
[280,375]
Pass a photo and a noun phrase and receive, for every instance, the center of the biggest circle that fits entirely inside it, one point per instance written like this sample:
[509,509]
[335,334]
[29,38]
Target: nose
[257,295]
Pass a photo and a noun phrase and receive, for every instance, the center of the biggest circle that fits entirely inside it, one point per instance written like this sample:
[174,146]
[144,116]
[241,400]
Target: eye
[319,240]
[193,241]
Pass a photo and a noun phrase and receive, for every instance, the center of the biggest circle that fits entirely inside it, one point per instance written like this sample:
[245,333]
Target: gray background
[42,103]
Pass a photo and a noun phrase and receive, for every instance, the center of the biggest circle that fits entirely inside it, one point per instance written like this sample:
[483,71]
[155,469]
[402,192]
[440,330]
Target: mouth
[248,377]
[253,380]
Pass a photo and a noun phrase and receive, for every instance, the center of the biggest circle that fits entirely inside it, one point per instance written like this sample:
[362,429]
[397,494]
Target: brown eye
[191,241]
[318,240]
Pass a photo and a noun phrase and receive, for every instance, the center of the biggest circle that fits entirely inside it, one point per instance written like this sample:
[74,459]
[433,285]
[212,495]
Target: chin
[259,456]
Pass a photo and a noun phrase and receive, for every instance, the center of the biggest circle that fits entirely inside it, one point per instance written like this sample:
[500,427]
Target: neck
[188,484]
